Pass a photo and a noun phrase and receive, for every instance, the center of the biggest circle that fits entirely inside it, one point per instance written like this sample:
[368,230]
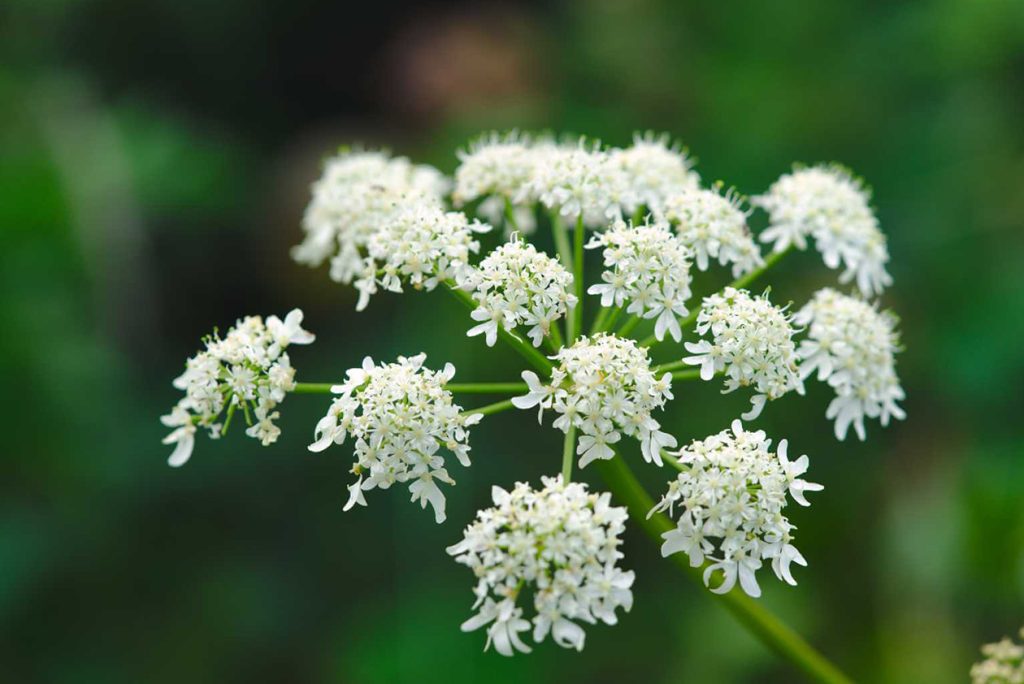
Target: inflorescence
[386,224]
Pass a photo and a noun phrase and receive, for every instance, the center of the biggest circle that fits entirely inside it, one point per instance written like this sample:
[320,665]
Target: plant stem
[568,453]
[670,366]
[526,350]
[577,275]
[510,215]
[752,615]
[486,387]
[314,387]
[686,374]
[628,326]
[496,407]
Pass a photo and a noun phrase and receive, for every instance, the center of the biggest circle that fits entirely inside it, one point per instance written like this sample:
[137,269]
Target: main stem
[756,618]
[568,453]
[577,274]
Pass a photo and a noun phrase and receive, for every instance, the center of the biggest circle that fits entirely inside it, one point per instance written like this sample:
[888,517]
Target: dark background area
[156,157]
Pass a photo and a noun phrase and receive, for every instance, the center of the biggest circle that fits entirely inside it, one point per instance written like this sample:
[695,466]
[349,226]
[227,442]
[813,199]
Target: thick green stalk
[628,326]
[314,387]
[577,274]
[568,453]
[756,618]
[686,374]
[486,387]
[526,350]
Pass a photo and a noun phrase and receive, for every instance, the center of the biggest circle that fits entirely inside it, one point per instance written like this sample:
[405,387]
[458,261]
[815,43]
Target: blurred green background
[155,161]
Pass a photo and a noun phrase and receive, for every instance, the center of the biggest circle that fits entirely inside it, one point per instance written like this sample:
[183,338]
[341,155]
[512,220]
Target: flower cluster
[559,544]
[732,490]
[582,180]
[829,204]
[359,192]
[655,171]
[714,226]
[602,386]
[501,166]
[518,285]
[648,267]
[852,346]
[421,245]
[1003,663]
[246,370]
[399,416]
[752,343]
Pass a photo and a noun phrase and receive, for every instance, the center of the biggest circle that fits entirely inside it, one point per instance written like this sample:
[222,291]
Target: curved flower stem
[314,387]
[486,387]
[496,407]
[577,276]
[772,259]
[752,615]
[527,351]
[556,337]
[670,366]
[568,453]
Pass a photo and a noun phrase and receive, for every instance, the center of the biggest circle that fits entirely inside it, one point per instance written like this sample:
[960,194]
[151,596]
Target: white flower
[655,170]
[500,166]
[518,285]
[399,416]
[359,192]
[421,246]
[582,180]
[829,204]
[604,386]
[559,546]
[852,346]
[1003,663]
[647,267]
[730,496]
[246,371]
[751,342]
[714,226]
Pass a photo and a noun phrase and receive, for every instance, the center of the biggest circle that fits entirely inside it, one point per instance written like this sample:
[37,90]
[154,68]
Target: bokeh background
[155,158]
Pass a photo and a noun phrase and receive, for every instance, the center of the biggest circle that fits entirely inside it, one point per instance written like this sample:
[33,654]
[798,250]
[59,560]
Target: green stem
[609,320]
[510,215]
[756,618]
[556,337]
[577,275]
[671,366]
[314,387]
[526,350]
[561,241]
[686,374]
[568,453]
[496,407]
[486,387]
[772,259]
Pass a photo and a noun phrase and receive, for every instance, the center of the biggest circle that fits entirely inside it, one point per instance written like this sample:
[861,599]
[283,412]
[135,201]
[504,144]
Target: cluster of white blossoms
[518,285]
[399,416]
[648,267]
[559,546]
[582,181]
[246,370]
[604,387]
[359,192]
[751,343]
[714,226]
[731,493]
[422,246]
[852,346]
[1003,663]
[655,171]
[829,204]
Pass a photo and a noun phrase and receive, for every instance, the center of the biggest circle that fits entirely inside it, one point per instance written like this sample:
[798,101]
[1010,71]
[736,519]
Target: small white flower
[714,226]
[421,246]
[247,371]
[559,544]
[730,496]
[852,346]
[752,344]
[582,180]
[518,285]
[359,192]
[655,170]
[604,386]
[648,268]
[830,204]
[1003,663]
[399,416]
